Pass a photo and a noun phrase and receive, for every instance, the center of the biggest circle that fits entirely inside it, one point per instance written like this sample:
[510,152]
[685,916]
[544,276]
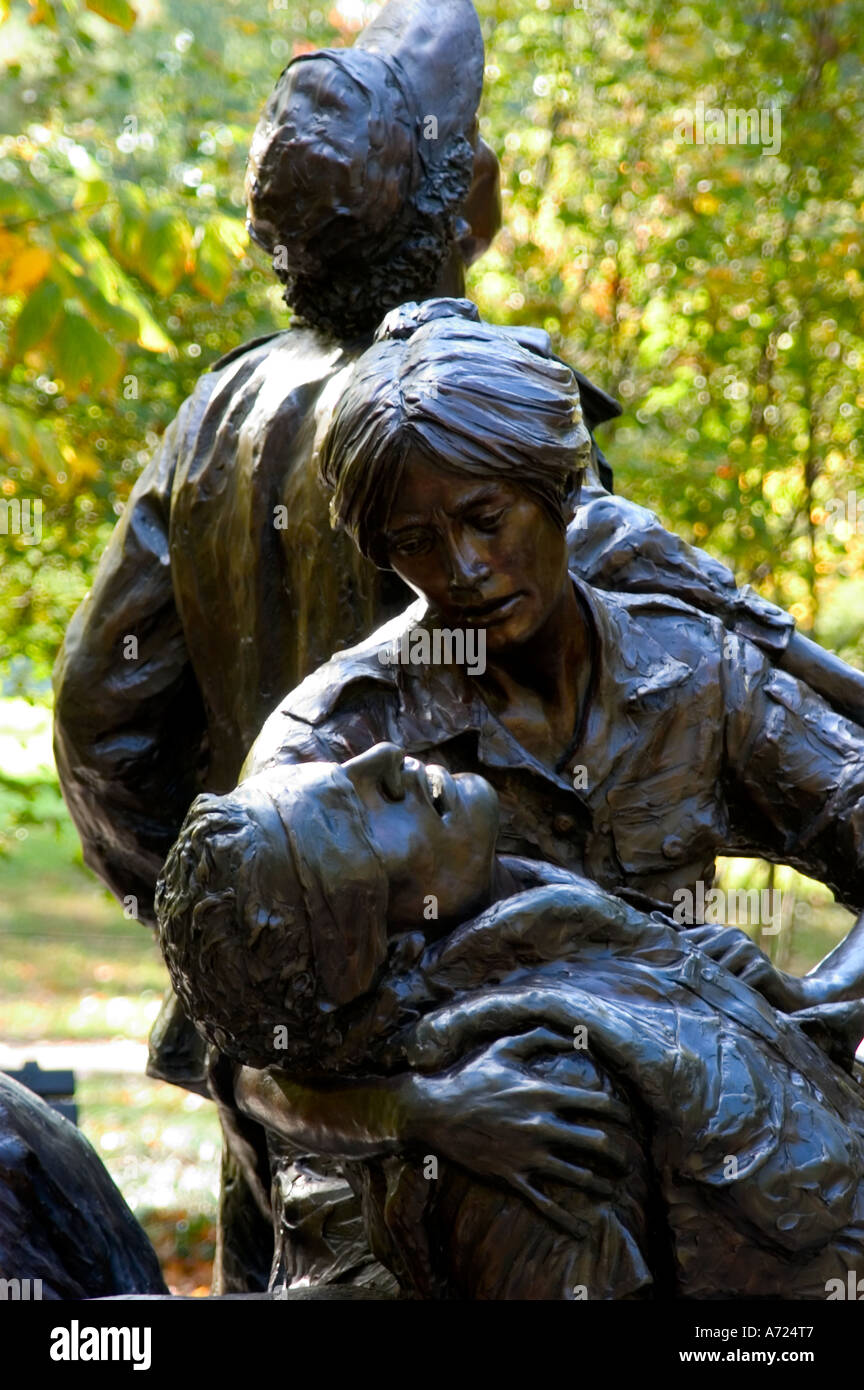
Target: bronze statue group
[418,919]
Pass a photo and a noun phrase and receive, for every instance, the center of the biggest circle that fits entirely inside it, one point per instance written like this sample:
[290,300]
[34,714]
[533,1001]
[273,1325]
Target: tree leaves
[24,441]
[165,250]
[126,227]
[97,355]
[223,243]
[706,285]
[84,356]
[108,293]
[118,12]
[22,266]
[26,271]
[38,318]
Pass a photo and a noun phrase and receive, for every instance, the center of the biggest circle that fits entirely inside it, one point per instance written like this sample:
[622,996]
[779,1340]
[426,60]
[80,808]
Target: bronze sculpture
[578,1065]
[455,454]
[223,565]
[630,737]
[65,1230]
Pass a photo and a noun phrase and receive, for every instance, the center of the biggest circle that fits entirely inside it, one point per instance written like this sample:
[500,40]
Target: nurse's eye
[487,521]
[415,543]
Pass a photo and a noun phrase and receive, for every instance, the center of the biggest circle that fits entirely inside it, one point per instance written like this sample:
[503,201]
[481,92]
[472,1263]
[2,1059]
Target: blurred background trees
[717,290]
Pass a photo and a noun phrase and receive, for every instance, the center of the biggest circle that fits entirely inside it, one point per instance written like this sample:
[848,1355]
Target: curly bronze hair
[344,194]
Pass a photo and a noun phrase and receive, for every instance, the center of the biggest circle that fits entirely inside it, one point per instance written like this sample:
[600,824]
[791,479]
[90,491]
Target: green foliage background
[716,289]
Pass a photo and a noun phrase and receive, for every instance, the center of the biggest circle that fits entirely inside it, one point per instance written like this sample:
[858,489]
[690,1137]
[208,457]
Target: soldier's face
[482,552]
[435,833]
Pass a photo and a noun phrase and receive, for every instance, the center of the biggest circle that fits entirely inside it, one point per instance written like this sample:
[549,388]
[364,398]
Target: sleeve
[285,739]
[615,544]
[360,716]
[129,723]
[795,774]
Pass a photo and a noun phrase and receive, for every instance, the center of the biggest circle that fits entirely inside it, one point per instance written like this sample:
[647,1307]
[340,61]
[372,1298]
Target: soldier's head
[367,180]
[278,903]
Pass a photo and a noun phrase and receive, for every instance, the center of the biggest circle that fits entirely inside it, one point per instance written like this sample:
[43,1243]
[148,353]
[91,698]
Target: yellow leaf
[43,13]
[85,465]
[150,336]
[26,270]
[9,244]
[233,234]
[115,11]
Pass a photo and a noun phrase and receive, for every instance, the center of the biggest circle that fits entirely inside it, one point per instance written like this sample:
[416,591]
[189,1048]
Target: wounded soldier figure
[558,1097]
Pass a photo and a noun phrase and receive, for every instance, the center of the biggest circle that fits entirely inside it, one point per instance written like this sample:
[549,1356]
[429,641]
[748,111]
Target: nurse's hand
[500,1115]
[739,954]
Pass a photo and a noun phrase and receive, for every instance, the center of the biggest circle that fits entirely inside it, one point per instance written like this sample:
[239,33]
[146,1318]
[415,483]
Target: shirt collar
[439,703]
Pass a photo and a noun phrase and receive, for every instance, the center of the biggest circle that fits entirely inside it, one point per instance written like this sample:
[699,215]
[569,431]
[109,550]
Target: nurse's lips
[495,609]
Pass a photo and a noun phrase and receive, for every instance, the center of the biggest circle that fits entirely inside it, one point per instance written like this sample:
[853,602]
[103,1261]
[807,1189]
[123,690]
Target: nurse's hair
[470,399]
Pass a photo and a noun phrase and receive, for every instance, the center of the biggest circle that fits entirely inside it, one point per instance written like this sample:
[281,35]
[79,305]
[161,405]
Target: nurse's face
[482,552]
